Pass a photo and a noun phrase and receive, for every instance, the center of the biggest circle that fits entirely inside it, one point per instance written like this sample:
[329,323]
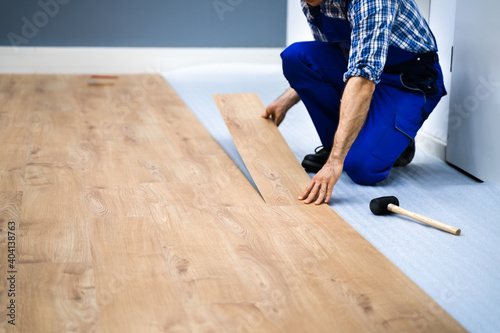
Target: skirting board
[98,60]
[431,145]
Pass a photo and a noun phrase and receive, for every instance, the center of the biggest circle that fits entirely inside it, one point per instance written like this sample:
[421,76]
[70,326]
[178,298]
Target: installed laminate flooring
[129,217]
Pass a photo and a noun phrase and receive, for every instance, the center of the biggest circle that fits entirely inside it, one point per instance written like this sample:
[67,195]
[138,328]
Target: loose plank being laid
[360,281]
[269,160]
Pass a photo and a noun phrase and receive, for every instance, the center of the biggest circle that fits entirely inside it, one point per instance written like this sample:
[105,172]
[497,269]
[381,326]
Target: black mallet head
[378,206]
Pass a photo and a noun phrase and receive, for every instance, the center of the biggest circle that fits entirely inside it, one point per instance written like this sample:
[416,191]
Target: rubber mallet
[385,205]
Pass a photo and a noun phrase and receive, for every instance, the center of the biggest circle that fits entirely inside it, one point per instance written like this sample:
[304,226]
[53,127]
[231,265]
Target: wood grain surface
[131,218]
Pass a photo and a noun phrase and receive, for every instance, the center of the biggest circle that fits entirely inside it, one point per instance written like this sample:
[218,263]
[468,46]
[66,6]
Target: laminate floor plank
[6,93]
[150,163]
[13,135]
[182,127]
[53,225]
[13,159]
[121,202]
[10,206]
[135,290]
[160,157]
[216,296]
[226,187]
[17,97]
[56,297]
[216,293]
[290,287]
[107,166]
[62,174]
[266,155]
[14,131]
[10,212]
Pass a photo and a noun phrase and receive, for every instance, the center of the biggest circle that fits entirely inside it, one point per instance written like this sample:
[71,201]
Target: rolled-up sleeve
[371,23]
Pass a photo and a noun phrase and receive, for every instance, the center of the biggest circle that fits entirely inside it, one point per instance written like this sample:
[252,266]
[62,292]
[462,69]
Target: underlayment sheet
[462,273]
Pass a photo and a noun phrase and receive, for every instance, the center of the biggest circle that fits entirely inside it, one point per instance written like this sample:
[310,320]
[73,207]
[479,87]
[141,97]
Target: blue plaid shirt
[375,25]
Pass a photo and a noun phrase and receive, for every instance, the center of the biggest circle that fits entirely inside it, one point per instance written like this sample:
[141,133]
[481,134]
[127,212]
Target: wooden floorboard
[56,297]
[131,218]
[269,160]
[139,293]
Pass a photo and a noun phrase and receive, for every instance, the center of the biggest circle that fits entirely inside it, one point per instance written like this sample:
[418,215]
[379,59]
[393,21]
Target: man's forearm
[278,109]
[353,111]
[290,97]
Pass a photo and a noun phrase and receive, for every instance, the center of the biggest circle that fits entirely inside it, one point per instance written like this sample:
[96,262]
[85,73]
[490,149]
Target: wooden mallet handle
[440,225]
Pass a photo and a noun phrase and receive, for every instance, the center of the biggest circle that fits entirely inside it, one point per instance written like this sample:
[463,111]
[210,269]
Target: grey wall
[143,23]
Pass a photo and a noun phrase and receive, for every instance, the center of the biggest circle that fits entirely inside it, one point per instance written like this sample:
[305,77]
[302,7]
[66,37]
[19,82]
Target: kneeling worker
[369,81]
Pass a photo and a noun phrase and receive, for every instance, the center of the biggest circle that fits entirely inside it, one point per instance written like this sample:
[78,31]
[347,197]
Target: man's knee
[292,59]
[293,52]
[367,170]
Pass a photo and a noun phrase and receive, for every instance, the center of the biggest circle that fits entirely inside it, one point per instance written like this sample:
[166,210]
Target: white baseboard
[431,145]
[101,60]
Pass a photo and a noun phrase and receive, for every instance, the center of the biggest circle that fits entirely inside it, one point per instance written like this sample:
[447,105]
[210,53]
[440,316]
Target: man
[368,81]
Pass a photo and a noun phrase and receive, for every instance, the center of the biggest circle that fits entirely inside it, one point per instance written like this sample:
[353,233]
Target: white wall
[425,7]
[297,28]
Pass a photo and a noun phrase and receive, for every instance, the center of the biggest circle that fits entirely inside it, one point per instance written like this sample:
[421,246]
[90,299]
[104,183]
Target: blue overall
[409,90]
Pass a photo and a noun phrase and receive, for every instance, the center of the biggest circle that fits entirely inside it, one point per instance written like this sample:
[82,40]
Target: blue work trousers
[315,71]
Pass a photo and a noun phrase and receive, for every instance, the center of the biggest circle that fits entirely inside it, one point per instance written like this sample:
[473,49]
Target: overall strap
[316,10]
[346,8]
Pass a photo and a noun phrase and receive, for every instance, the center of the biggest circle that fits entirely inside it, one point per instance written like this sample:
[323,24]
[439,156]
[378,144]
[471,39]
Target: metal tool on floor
[385,205]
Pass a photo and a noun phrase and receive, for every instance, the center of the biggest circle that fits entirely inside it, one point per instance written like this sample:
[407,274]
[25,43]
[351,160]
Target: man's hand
[321,187]
[277,110]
